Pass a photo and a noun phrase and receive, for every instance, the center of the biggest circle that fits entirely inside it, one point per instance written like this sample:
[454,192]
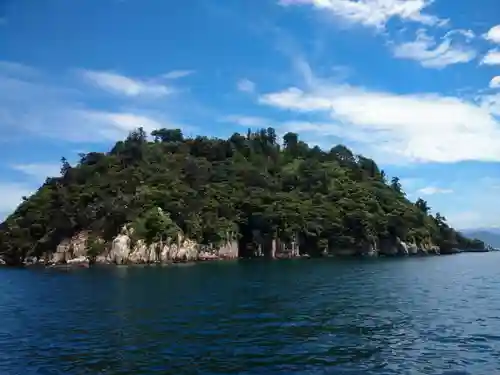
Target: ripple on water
[411,316]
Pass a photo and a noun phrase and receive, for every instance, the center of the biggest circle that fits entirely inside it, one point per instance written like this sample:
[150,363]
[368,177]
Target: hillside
[488,236]
[212,191]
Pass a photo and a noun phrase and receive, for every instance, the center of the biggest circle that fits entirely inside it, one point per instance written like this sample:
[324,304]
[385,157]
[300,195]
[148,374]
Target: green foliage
[213,190]
[95,247]
[154,225]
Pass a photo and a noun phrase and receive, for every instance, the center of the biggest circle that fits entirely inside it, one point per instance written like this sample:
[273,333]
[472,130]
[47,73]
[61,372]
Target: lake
[435,315]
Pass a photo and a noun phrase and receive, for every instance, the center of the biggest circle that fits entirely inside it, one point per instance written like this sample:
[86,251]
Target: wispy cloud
[123,85]
[113,125]
[431,54]
[418,127]
[493,35]
[245,85]
[12,194]
[39,171]
[15,69]
[35,104]
[374,13]
[176,74]
[248,121]
[432,190]
[491,58]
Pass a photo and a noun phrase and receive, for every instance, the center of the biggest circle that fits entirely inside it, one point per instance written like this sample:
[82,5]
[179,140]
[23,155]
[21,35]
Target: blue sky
[415,84]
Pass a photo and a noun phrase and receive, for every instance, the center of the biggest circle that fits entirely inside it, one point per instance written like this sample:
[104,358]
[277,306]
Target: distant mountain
[490,236]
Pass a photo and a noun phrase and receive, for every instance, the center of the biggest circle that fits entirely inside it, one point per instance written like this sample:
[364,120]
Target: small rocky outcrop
[71,248]
[81,261]
[120,249]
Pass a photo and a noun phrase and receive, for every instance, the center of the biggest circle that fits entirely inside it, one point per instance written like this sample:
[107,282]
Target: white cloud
[431,190]
[495,82]
[491,58]
[245,85]
[175,74]
[248,121]
[374,13]
[120,84]
[115,125]
[36,106]
[39,171]
[431,54]
[493,35]
[397,128]
[411,183]
[491,103]
[11,194]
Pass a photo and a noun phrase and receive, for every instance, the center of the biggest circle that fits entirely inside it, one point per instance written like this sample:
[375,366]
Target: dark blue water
[437,315]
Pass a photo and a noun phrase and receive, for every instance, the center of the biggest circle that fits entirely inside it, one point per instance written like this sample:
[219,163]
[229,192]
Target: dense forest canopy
[213,188]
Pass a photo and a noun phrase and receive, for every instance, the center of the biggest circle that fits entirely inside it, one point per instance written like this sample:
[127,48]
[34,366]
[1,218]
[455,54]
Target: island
[169,198]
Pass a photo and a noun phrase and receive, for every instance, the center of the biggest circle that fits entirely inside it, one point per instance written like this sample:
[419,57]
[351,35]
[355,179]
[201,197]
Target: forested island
[171,198]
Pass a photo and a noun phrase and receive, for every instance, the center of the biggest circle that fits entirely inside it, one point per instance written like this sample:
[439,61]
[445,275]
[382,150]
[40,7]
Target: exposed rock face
[227,251]
[398,247]
[413,249]
[402,247]
[80,261]
[280,249]
[71,248]
[142,253]
[120,249]
[123,251]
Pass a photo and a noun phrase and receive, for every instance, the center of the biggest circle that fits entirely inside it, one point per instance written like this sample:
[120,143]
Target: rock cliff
[123,250]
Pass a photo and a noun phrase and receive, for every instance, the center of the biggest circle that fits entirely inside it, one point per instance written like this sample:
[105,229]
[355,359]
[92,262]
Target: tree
[65,167]
[396,185]
[95,247]
[422,206]
[290,141]
[168,135]
[214,190]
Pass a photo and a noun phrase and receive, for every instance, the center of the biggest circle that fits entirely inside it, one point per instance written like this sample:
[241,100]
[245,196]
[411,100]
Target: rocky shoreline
[123,250]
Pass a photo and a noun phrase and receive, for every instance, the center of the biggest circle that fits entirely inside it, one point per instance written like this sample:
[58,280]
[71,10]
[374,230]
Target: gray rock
[142,253]
[82,260]
[70,248]
[402,247]
[413,249]
[435,250]
[229,250]
[73,251]
[120,249]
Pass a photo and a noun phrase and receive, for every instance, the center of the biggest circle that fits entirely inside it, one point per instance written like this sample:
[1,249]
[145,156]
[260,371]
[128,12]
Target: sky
[414,84]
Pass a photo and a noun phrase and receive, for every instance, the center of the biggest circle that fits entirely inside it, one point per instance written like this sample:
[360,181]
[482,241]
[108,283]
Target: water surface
[436,315]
